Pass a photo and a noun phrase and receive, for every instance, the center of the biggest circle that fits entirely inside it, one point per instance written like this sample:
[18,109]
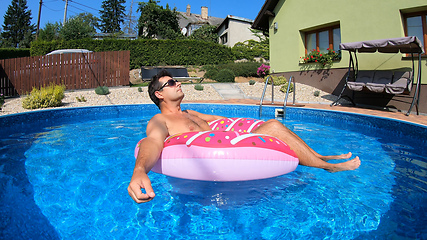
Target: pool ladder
[279,112]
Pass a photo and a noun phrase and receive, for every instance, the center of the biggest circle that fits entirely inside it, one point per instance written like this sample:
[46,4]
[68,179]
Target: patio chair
[381,78]
[362,78]
[402,82]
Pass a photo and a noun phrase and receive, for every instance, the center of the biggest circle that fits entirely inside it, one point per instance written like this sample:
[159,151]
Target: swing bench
[383,81]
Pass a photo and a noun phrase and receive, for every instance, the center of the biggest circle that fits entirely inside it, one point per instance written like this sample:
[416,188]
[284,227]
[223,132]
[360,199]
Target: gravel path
[131,95]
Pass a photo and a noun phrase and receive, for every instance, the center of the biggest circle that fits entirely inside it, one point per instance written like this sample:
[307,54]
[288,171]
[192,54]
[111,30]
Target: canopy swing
[396,83]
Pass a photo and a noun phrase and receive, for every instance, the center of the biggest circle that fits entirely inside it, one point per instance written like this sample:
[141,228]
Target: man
[167,94]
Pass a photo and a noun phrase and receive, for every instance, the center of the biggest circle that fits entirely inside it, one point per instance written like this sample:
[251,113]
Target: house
[188,22]
[296,27]
[235,29]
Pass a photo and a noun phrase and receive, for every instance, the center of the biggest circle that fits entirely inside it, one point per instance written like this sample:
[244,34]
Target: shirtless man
[166,93]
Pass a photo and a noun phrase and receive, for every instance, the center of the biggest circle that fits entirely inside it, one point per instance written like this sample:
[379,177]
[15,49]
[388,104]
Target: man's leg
[326,158]
[306,155]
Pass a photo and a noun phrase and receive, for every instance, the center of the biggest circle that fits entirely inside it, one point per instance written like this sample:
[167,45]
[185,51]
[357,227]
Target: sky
[53,10]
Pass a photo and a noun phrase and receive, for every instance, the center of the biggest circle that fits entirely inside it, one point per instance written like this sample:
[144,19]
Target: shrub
[225,75]
[284,87]
[1,100]
[211,73]
[198,87]
[147,52]
[139,89]
[102,90]
[241,69]
[251,82]
[44,97]
[263,70]
[6,53]
[81,99]
[316,93]
[277,80]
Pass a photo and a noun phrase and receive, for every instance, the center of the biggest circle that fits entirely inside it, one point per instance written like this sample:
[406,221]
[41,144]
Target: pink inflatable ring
[225,155]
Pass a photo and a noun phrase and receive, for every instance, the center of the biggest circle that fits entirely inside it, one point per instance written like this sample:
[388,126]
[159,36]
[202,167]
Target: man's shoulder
[157,117]
[156,121]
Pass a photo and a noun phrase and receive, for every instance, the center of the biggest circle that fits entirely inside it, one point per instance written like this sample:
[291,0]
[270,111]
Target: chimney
[188,10]
[204,12]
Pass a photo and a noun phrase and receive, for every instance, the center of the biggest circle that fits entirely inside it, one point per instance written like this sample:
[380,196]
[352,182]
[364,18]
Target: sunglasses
[170,82]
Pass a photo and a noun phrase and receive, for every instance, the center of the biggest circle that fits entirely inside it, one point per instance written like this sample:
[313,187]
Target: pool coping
[47,117]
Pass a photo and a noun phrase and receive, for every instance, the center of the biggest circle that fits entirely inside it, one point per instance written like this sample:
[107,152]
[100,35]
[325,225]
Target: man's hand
[140,180]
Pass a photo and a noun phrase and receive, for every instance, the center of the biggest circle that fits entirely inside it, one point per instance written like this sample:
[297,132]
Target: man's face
[170,88]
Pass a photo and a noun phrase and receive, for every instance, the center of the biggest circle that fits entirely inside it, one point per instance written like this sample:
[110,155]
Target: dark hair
[155,85]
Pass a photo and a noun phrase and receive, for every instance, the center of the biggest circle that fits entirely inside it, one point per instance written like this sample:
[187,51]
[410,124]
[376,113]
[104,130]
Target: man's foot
[345,166]
[342,156]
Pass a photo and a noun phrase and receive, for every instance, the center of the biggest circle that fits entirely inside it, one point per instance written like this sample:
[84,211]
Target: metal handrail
[291,79]
[263,93]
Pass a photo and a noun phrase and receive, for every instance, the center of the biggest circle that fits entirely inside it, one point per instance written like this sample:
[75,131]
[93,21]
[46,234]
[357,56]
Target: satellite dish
[184,31]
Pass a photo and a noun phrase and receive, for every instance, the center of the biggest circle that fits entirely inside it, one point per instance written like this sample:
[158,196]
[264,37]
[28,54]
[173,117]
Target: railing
[75,70]
[291,80]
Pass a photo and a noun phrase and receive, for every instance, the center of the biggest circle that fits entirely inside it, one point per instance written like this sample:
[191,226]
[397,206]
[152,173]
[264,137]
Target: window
[194,27]
[224,38]
[415,25]
[323,39]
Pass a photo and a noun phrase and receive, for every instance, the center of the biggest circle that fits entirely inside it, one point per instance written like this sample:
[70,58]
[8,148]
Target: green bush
[6,53]
[316,93]
[1,100]
[241,69]
[147,52]
[211,73]
[251,82]
[284,87]
[139,89]
[198,87]
[44,97]
[225,75]
[102,90]
[277,80]
[81,99]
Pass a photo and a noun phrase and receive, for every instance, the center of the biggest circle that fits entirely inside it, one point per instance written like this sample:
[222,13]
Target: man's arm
[149,152]
[206,117]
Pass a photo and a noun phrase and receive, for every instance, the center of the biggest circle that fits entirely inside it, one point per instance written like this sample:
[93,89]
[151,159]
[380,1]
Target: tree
[112,15]
[17,28]
[50,32]
[77,27]
[90,19]
[157,22]
[206,33]
[251,49]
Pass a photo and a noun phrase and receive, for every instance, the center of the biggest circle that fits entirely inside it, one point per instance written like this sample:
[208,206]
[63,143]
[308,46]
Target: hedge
[148,52]
[6,53]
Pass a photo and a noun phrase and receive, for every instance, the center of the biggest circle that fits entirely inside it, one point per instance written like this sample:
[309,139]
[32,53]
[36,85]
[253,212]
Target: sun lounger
[178,73]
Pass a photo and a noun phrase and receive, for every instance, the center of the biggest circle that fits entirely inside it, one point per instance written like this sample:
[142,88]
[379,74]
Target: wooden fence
[75,70]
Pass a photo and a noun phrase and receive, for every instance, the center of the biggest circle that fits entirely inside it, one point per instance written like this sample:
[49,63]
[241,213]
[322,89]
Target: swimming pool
[64,174]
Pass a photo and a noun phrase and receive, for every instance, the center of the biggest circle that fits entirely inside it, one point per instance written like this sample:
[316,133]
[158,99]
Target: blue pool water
[64,174]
